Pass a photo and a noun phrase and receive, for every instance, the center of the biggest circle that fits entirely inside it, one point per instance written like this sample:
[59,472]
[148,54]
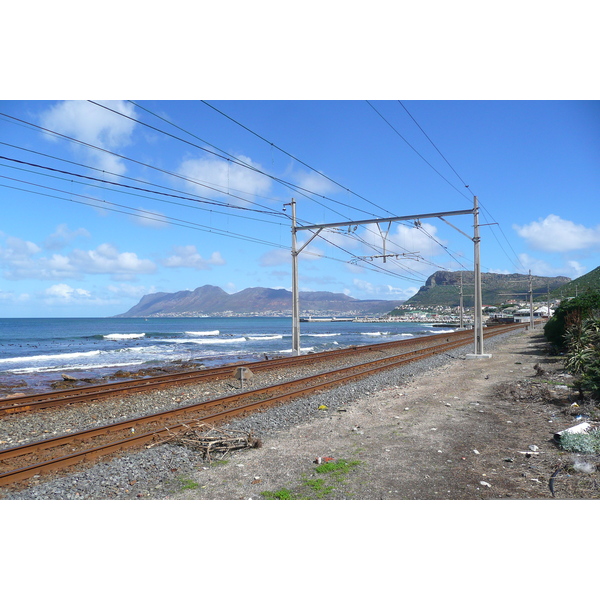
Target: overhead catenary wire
[294,157]
[177,175]
[206,201]
[226,156]
[141,213]
[137,180]
[467,186]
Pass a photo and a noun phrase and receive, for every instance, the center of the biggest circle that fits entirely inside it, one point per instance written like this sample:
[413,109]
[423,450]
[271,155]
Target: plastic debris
[580,428]
[323,407]
[323,459]
[485,483]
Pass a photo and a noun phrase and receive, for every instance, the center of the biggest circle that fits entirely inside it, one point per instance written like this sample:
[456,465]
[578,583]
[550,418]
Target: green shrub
[571,314]
[585,443]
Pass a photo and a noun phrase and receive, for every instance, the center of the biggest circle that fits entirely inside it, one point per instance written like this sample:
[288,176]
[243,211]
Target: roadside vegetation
[316,488]
[574,332]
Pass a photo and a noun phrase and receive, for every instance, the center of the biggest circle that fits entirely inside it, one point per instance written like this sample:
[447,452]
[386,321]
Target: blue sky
[75,246]
[305,105]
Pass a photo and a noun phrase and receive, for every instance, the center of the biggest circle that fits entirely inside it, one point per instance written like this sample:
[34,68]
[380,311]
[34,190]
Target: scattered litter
[485,483]
[536,480]
[580,428]
[199,436]
[323,407]
[475,451]
[584,467]
[323,459]
[533,448]
[528,453]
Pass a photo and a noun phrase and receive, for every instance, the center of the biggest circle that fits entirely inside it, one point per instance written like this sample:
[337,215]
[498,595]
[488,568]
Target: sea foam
[200,333]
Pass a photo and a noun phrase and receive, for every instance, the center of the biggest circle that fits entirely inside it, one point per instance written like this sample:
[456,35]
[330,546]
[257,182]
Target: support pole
[478,325]
[531,323]
[461,301]
[477,317]
[295,293]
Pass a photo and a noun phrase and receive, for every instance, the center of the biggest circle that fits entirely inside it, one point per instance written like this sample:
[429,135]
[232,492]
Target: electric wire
[231,158]
[157,217]
[142,181]
[467,186]
[198,199]
[177,175]
[136,212]
[294,157]
[416,151]
[195,207]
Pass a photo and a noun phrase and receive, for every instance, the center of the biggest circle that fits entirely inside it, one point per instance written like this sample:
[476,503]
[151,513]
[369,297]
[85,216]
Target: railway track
[52,454]
[39,401]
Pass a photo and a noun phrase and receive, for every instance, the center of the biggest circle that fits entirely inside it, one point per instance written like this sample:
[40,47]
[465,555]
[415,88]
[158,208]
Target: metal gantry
[317,228]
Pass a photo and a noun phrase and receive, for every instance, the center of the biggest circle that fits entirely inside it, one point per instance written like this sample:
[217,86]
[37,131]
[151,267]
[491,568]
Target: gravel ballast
[167,471]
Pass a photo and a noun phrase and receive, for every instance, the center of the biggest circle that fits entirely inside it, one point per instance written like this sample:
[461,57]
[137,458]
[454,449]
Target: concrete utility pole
[530,301]
[295,293]
[478,324]
[461,301]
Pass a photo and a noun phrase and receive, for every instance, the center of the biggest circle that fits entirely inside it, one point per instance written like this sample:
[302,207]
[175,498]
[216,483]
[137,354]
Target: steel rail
[94,392]
[305,386]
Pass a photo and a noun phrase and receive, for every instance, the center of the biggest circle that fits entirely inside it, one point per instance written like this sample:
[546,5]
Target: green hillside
[443,288]
[589,281]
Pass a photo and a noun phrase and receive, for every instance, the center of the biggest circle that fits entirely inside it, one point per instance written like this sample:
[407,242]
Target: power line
[136,212]
[139,195]
[129,159]
[466,185]
[439,152]
[162,187]
[416,151]
[203,200]
[290,185]
[293,157]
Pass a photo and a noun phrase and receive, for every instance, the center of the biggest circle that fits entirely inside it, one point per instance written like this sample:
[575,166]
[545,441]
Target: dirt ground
[473,429]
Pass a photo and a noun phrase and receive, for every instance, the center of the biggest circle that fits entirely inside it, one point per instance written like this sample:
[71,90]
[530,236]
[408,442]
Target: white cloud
[571,268]
[383,291]
[94,125]
[283,256]
[63,236]
[554,234]
[226,176]
[21,259]
[314,182]
[404,239]
[61,292]
[108,260]
[189,257]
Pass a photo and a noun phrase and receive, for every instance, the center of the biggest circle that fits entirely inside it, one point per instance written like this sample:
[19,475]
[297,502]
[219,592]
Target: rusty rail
[122,435]
[106,390]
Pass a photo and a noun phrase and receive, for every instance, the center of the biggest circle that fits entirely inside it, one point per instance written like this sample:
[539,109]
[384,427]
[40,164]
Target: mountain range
[210,300]
[443,288]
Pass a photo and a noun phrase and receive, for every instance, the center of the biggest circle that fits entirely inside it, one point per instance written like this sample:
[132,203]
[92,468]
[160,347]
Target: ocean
[36,351]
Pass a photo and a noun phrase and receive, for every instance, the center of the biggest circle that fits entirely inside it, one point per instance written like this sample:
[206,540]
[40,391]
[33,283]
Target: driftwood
[203,438]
